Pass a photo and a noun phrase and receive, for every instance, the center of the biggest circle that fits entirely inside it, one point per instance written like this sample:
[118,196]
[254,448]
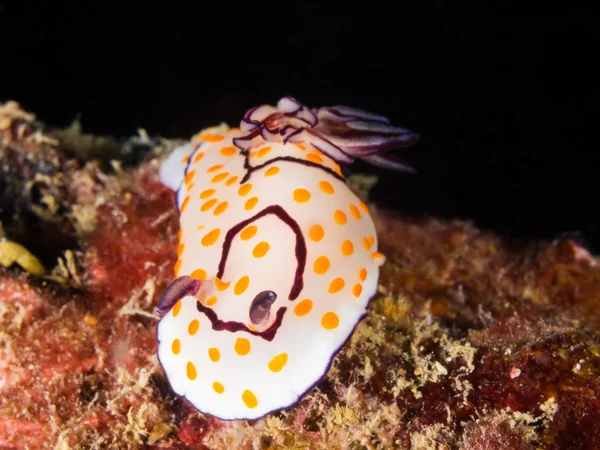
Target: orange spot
[301,195]
[207,193]
[277,363]
[199,227]
[316,233]
[336,285]
[249,399]
[208,204]
[347,248]
[313,157]
[198,156]
[176,308]
[326,187]
[211,237]
[355,212]
[176,346]
[248,232]
[177,267]
[362,274]
[90,320]
[253,154]
[228,151]
[336,169]
[330,321]
[199,274]
[362,206]
[215,168]
[190,186]
[232,180]
[214,354]
[377,255]
[184,204]
[242,346]
[191,371]
[221,285]
[263,152]
[357,290]
[303,308]
[211,301]
[193,327]
[209,137]
[245,189]
[241,285]
[180,248]
[185,159]
[261,249]
[368,242]
[339,217]
[272,171]
[221,208]
[300,146]
[218,387]
[189,177]
[220,177]
[321,265]
[251,203]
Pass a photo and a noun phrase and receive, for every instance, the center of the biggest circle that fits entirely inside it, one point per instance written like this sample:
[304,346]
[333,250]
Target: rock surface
[474,342]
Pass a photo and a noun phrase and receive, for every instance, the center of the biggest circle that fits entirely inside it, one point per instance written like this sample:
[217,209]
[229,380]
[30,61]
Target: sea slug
[277,258]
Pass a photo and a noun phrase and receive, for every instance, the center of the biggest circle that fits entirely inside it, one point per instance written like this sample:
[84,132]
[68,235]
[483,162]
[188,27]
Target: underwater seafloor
[473,342]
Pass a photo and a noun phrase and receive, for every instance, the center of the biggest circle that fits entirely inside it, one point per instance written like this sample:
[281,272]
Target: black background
[503,98]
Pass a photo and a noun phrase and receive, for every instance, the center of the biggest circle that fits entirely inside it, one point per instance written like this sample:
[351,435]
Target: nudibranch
[277,258]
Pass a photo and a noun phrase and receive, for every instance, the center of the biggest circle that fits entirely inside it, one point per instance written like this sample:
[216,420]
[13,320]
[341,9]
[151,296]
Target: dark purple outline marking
[250,169]
[297,286]
[197,147]
[233,326]
[300,245]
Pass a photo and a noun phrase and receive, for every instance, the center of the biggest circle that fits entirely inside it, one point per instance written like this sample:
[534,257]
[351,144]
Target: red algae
[133,239]
[472,342]
[192,431]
